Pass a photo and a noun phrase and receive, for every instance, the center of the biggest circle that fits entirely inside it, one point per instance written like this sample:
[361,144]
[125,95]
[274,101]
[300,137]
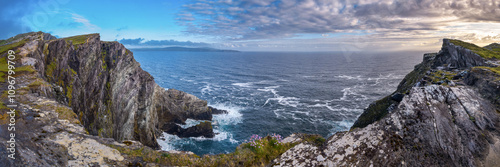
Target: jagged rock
[107,88]
[202,129]
[433,125]
[458,57]
[217,111]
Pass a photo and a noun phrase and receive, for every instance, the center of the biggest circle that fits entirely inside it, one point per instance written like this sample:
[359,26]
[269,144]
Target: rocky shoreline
[86,102]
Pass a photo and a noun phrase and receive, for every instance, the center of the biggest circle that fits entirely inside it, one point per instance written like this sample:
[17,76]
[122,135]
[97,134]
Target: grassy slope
[485,53]
[494,47]
[260,154]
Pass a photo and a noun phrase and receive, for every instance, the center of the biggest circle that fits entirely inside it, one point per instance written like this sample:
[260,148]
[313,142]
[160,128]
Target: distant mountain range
[185,49]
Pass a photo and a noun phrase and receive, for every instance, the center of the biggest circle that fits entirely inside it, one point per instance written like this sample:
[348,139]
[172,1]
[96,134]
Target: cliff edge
[444,113]
[101,85]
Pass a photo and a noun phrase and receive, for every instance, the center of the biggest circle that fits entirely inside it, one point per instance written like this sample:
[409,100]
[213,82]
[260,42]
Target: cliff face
[103,84]
[448,116]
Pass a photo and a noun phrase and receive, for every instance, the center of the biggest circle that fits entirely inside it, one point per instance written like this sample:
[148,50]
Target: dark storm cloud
[264,19]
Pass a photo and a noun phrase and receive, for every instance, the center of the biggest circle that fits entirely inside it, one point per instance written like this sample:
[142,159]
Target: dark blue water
[276,92]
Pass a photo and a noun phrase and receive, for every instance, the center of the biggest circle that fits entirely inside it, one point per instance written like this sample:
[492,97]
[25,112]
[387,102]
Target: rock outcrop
[448,116]
[90,100]
[203,129]
[107,89]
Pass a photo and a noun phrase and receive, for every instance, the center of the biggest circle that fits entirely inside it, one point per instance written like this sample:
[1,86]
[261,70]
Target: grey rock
[107,89]
[458,57]
[433,125]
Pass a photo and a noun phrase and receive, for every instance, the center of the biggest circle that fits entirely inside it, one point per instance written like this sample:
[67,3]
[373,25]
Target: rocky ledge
[86,102]
[444,113]
[97,86]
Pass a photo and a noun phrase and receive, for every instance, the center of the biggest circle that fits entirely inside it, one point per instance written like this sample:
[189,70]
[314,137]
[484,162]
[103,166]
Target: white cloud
[383,22]
[80,19]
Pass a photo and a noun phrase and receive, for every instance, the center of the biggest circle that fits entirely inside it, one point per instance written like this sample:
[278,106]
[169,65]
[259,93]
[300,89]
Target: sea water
[275,92]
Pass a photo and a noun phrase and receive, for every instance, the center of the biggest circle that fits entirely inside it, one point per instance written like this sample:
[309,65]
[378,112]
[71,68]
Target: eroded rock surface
[110,93]
[433,125]
[446,114]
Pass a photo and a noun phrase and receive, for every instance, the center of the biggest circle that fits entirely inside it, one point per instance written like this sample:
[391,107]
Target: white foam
[301,112]
[349,77]
[351,92]
[246,85]
[167,141]
[282,100]
[187,80]
[232,117]
[206,89]
[190,122]
[278,114]
[285,101]
[344,123]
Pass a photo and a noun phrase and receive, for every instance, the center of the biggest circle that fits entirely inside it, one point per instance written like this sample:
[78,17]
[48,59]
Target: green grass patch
[485,53]
[494,47]
[77,40]
[50,69]
[316,140]
[492,69]
[441,75]
[258,152]
[68,114]
[12,46]
[37,83]
[374,112]
[4,68]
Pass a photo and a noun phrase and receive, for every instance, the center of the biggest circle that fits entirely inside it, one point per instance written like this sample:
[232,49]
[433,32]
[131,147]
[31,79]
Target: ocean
[275,92]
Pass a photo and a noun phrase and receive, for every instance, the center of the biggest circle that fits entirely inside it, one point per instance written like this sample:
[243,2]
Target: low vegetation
[77,40]
[62,111]
[4,68]
[257,151]
[494,47]
[492,69]
[374,112]
[485,53]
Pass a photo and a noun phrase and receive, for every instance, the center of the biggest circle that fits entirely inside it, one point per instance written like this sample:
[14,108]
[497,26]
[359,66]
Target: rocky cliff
[105,87]
[83,102]
[447,115]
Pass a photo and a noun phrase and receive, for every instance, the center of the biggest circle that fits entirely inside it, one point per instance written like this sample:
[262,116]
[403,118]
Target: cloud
[141,42]
[267,19]
[80,19]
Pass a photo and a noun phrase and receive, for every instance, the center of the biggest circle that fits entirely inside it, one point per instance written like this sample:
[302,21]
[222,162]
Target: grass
[63,112]
[492,69]
[12,46]
[68,114]
[494,47]
[11,39]
[316,140]
[485,53]
[374,112]
[4,68]
[37,83]
[50,69]
[77,40]
[441,75]
[258,152]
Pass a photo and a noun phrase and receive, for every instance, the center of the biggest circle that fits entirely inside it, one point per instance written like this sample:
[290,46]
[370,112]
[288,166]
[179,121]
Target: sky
[262,25]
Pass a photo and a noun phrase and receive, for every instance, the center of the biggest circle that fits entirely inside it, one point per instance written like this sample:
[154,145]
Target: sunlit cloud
[384,22]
